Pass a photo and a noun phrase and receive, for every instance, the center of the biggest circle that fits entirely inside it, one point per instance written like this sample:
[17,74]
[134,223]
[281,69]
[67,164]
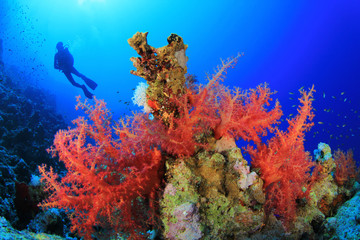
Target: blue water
[288,44]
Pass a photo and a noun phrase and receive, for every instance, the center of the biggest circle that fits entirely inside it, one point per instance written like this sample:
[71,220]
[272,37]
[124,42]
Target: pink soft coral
[106,173]
[284,164]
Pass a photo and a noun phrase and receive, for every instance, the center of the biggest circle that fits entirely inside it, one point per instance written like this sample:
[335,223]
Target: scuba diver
[64,61]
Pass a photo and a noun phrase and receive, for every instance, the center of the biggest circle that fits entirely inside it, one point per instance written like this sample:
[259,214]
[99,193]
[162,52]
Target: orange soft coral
[284,164]
[106,174]
[345,167]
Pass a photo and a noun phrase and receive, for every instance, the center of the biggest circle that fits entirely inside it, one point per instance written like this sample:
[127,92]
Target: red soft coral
[284,164]
[214,109]
[244,114]
[194,120]
[106,174]
[345,167]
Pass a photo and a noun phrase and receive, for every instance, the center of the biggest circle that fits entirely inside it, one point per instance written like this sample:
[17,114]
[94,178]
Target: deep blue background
[288,44]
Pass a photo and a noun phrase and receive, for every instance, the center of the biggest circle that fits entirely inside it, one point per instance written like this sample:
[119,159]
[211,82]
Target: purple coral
[247,178]
[187,225]
[170,190]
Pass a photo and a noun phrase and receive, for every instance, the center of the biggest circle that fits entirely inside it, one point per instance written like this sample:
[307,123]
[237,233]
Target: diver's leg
[71,79]
[76,72]
[83,87]
[88,81]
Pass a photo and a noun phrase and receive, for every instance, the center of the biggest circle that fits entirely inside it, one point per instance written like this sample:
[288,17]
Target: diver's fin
[86,92]
[90,83]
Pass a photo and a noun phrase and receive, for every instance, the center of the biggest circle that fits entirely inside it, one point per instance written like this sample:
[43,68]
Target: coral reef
[345,224]
[186,144]
[28,122]
[323,152]
[49,221]
[208,183]
[8,232]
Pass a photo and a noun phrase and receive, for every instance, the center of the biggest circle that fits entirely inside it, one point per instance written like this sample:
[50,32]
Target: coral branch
[243,114]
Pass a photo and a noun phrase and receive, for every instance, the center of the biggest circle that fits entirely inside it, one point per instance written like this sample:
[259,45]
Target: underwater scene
[184,120]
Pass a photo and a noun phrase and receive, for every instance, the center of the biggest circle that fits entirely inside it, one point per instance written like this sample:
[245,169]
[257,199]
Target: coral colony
[174,170]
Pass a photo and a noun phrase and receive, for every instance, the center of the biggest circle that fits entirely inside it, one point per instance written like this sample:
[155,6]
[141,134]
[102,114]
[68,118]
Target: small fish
[345,99]
[344,125]
[320,122]
[337,125]
[331,136]
[333,97]
[323,95]
[291,98]
[293,105]
[301,88]
[342,93]
[291,93]
[291,114]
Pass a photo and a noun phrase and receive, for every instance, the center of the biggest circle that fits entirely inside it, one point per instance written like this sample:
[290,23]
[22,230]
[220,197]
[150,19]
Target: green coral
[209,181]
[183,182]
